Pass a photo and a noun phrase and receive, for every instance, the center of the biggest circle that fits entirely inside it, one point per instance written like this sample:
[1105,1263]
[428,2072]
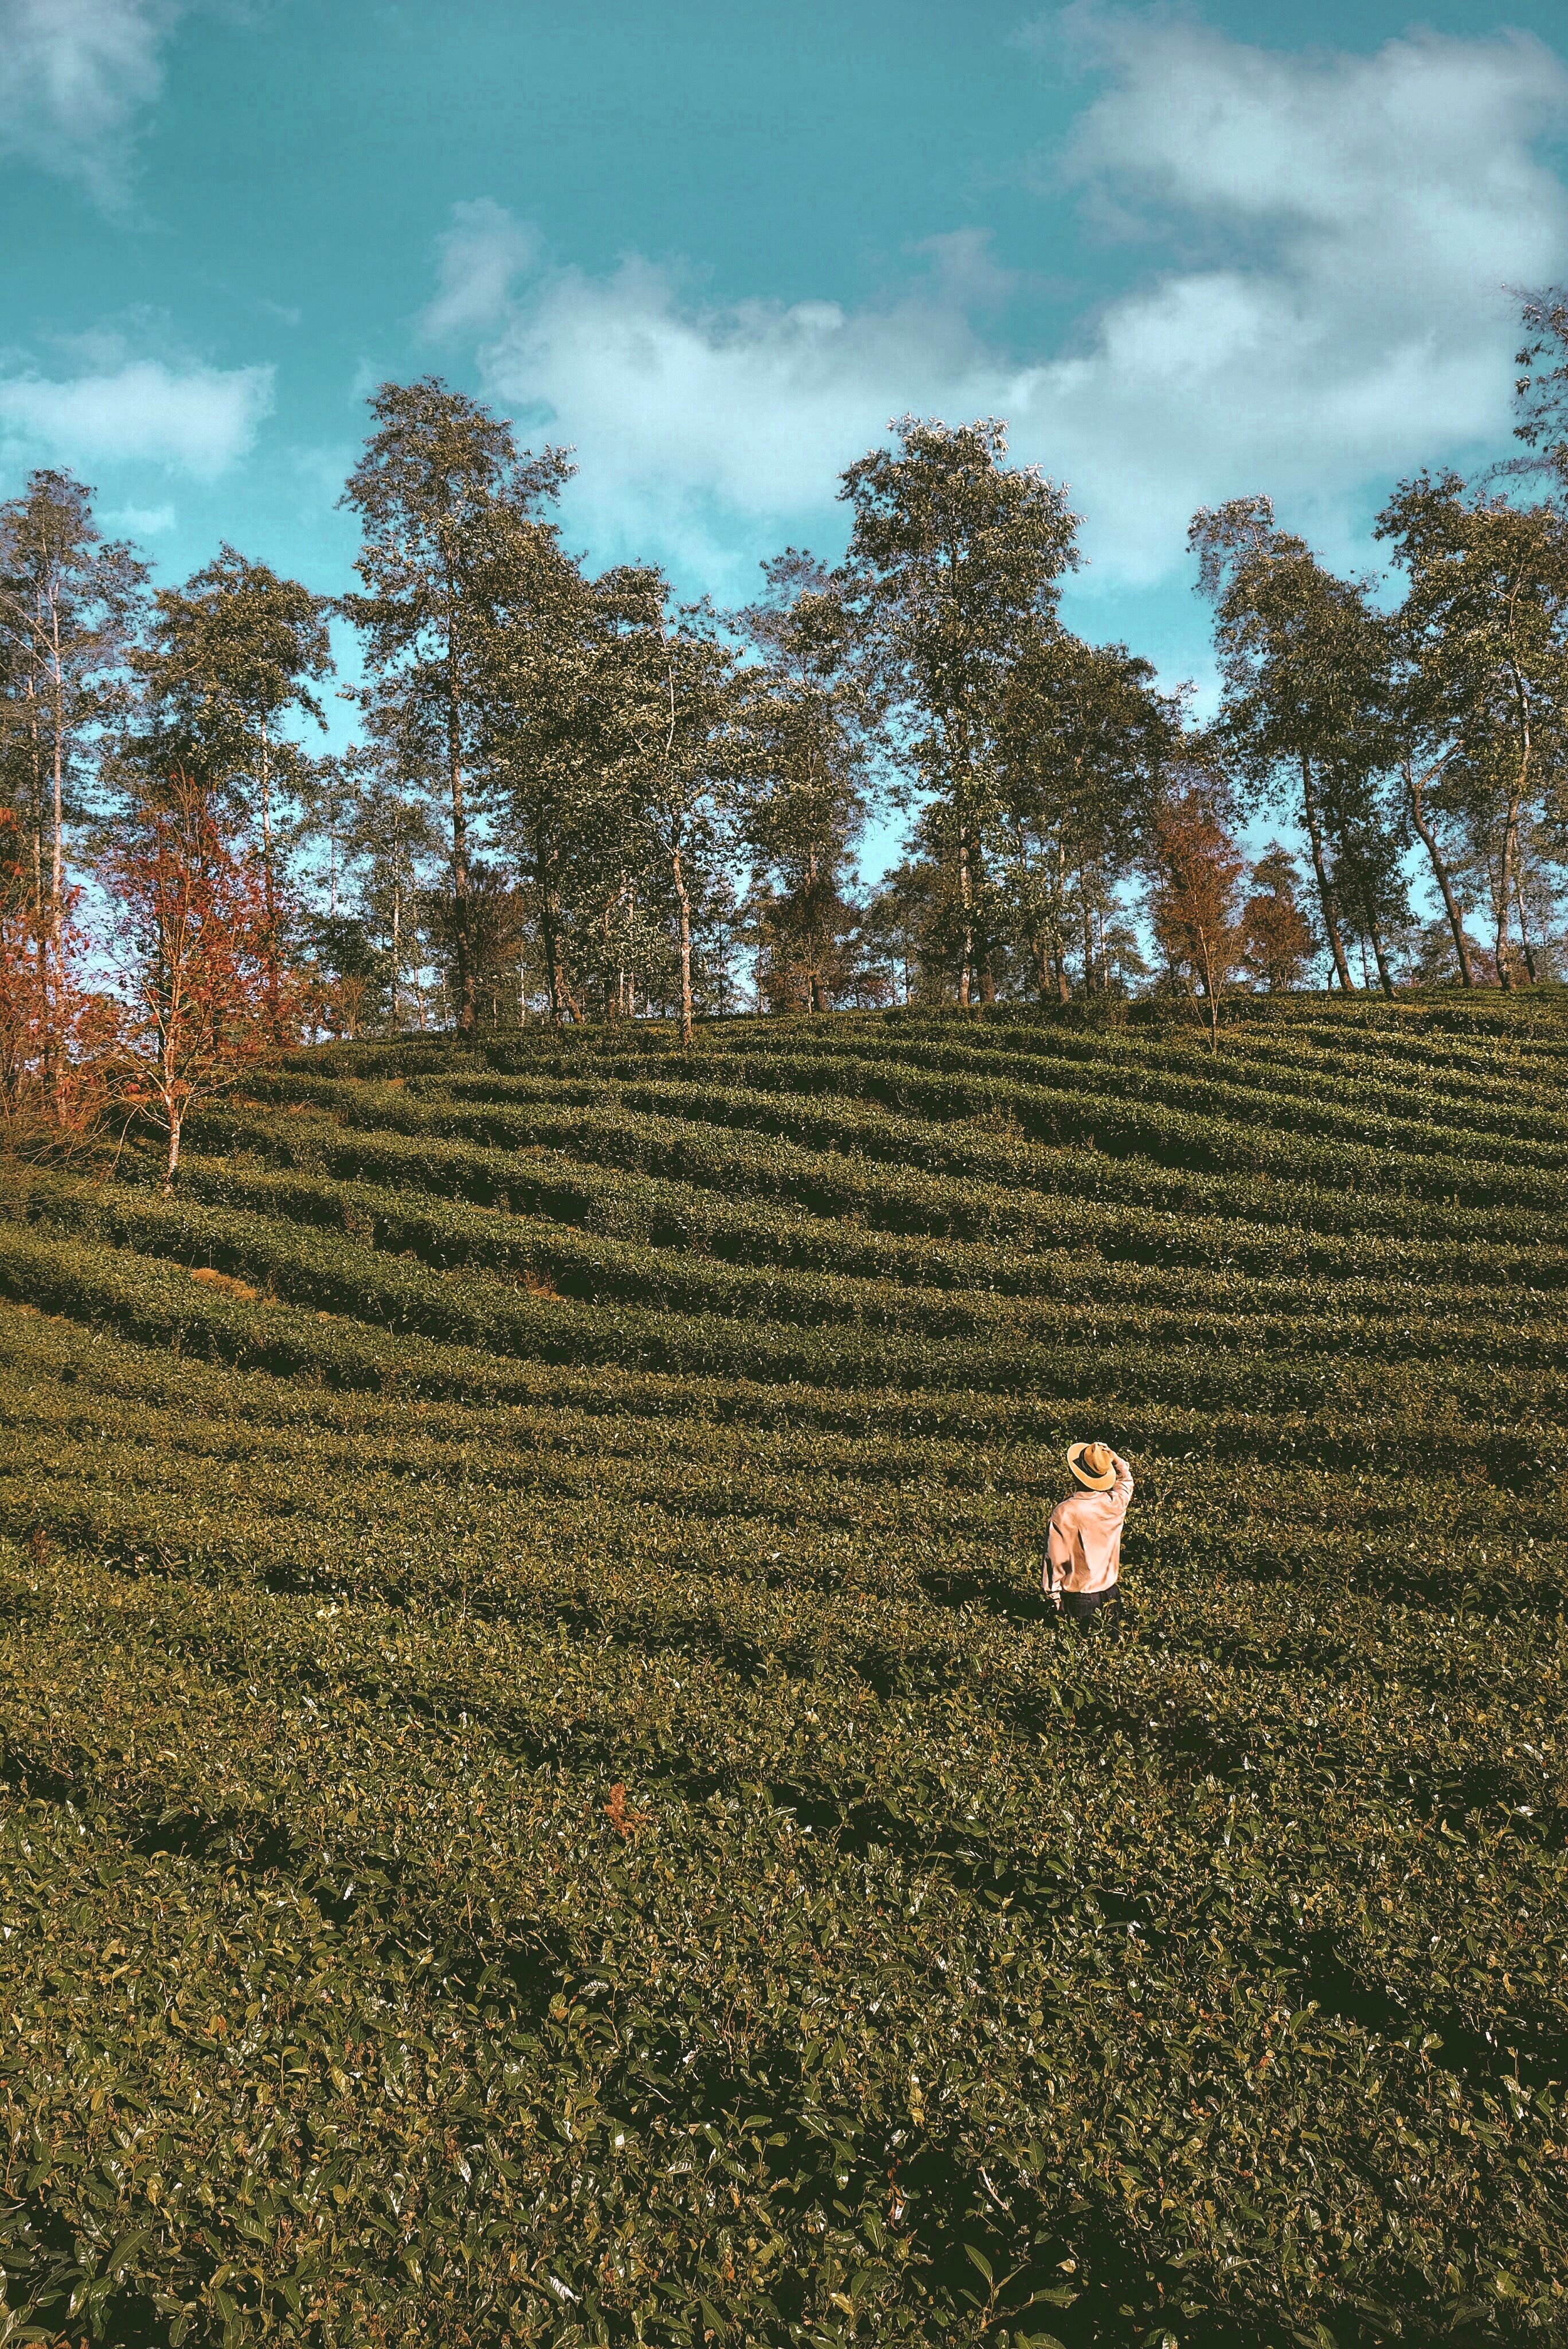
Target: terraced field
[542,1801]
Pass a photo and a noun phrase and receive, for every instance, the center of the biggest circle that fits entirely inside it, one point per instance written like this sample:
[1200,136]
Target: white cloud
[1356,221]
[478,256]
[1328,237]
[193,420]
[681,413]
[74,75]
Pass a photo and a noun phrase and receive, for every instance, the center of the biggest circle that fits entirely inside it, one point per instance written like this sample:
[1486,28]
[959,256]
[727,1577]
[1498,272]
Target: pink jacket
[1084,1546]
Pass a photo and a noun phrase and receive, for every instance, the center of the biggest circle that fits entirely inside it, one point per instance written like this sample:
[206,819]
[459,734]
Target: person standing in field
[1083,1547]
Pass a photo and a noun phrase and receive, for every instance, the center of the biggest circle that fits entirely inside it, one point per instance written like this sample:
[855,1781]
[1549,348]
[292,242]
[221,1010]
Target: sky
[717,245]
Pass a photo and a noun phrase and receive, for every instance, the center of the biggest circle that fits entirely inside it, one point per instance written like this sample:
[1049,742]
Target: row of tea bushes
[352,1278]
[674,1182]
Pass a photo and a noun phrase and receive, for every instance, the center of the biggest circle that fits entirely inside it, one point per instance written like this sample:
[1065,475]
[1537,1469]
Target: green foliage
[541,1799]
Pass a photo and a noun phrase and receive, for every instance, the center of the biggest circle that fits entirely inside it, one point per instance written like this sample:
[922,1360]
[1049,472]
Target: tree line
[578,797]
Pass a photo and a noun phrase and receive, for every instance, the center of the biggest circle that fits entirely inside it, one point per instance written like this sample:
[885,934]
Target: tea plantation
[542,1802]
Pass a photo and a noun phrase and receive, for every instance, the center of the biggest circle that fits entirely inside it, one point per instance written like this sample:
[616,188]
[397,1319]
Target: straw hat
[1098,1469]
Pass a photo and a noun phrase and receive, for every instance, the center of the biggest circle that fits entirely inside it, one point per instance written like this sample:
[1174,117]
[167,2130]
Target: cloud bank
[1325,241]
[74,77]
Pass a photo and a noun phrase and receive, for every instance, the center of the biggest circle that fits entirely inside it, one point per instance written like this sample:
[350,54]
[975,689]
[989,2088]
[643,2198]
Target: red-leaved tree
[1193,905]
[196,959]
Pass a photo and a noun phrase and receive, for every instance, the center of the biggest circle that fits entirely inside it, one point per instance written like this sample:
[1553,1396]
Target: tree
[196,945]
[1192,902]
[547,739]
[1434,963]
[1369,837]
[346,970]
[1541,392]
[903,925]
[674,719]
[1277,941]
[232,656]
[426,492]
[1430,743]
[55,1026]
[1303,663]
[1422,763]
[1485,624]
[388,847]
[952,566]
[328,798]
[1083,740]
[807,721]
[497,941]
[68,601]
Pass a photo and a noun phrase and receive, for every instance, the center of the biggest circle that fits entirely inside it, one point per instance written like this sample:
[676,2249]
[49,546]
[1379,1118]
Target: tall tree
[1369,834]
[68,602]
[1486,623]
[546,740]
[674,721]
[1427,748]
[1303,664]
[1083,740]
[905,925]
[954,565]
[807,720]
[391,845]
[433,472]
[231,657]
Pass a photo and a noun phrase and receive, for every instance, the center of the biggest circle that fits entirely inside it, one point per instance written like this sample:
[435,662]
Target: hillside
[542,1799]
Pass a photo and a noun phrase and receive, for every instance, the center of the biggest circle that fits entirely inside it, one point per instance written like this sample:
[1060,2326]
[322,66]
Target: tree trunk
[1506,879]
[1384,980]
[684,900]
[1039,954]
[1207,962]
[175,1121]
[52,1005]
[1324,893]
[1505,891]
[549,909]
[460,830]
[966,900]
[396,942]
[269,889]
[1528,949]
[1415,787]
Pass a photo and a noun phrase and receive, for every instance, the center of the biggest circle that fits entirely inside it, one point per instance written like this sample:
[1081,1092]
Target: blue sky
[718,246]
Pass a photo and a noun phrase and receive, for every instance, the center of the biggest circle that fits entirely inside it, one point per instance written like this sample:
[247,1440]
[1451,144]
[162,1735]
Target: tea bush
[544,1801]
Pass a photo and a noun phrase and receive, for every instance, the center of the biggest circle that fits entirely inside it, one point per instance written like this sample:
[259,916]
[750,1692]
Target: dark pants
[1081,1604]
